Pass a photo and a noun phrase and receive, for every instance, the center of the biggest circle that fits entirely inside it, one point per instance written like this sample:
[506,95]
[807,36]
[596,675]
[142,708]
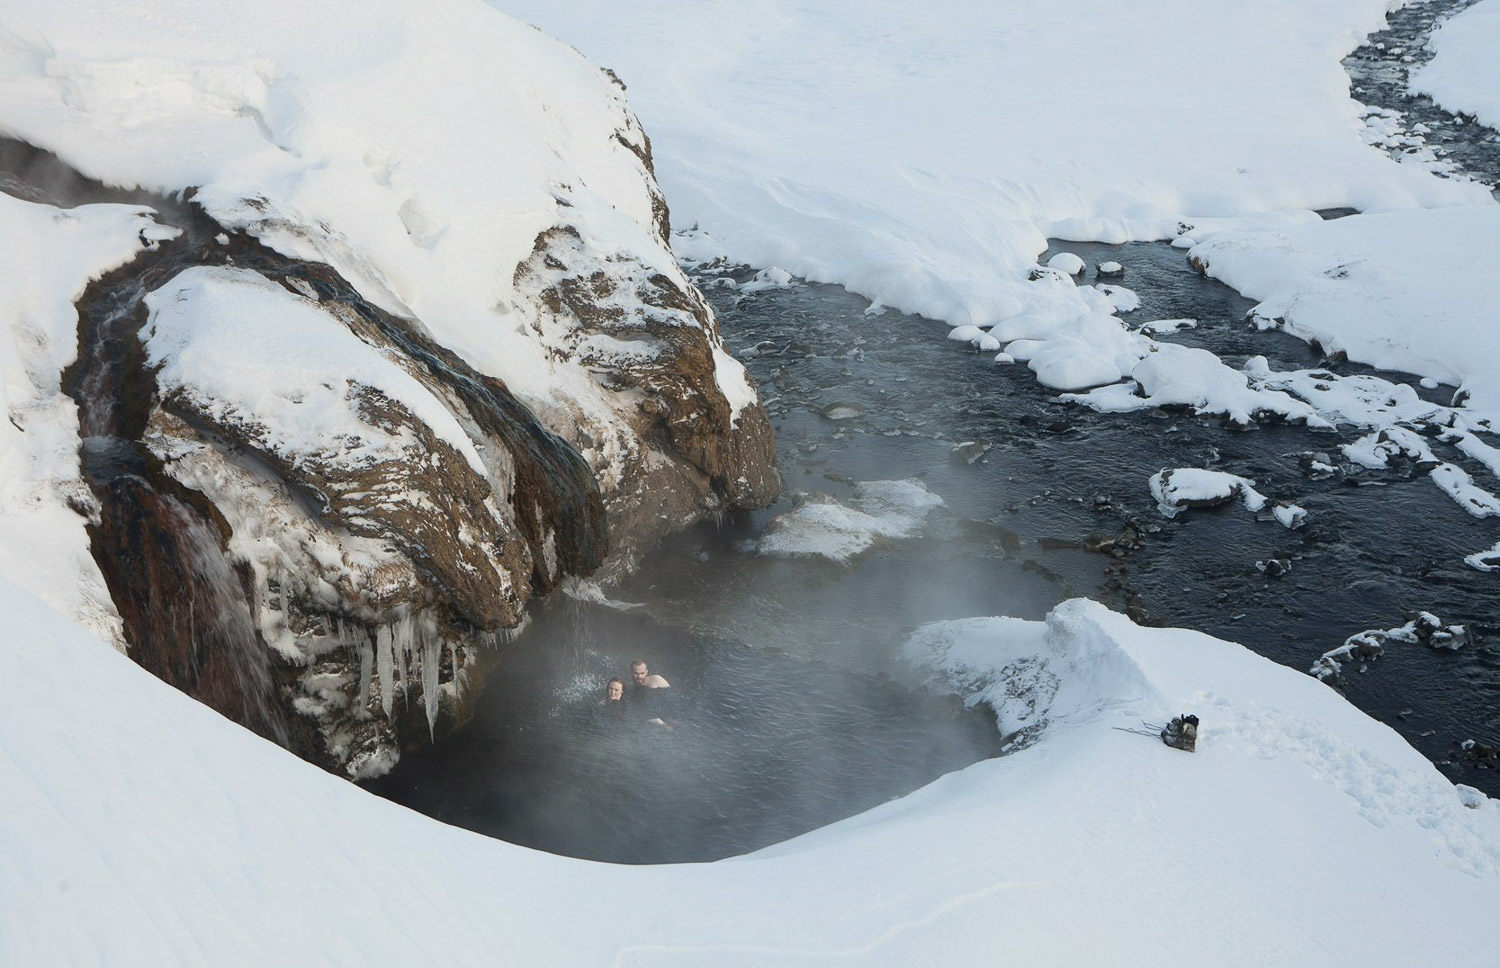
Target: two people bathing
[643,695]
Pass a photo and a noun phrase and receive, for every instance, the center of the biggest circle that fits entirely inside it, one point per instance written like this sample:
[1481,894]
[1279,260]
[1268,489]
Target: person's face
[638,673]
[616,690]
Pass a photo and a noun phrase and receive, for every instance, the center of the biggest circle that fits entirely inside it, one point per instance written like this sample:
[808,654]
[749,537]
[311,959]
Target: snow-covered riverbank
[1461,75]
[920,157]
[142,828]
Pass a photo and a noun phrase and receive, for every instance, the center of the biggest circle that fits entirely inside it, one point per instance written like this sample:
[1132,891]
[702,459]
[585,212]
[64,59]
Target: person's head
[638,671]
[615,691]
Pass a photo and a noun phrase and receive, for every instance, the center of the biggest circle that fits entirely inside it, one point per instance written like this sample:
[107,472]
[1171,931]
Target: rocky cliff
[368,385]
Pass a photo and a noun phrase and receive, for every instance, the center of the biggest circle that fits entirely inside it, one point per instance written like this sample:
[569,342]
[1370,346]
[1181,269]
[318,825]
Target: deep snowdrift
[141,828]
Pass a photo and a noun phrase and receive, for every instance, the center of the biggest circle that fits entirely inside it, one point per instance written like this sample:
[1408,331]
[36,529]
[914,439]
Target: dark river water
[791,706]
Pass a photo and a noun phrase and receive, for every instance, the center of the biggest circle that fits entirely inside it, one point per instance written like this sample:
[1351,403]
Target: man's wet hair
[638,662]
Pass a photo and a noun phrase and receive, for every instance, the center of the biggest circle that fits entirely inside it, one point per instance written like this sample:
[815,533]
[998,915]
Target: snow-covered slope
[1462,75]
[921,155]
[140,828]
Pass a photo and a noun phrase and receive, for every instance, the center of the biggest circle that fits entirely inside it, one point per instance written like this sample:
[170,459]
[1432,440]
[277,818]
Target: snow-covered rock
[1067,262]
[1193,487]
[420,347]
[1422,628]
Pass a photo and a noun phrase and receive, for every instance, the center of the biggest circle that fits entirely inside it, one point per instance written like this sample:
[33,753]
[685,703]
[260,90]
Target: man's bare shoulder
[655,681]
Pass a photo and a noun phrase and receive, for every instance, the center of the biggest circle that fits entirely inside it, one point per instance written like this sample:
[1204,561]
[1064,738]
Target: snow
[1067,262]
[1397,290]
[389,139]
[249,352]
[1461,75]
[1290,515]
[1487,560]
[1457,484]
[50,256]
[826,527]
[141,828]
[828,140]
[1157,327]
[1170,375]
[1184,487]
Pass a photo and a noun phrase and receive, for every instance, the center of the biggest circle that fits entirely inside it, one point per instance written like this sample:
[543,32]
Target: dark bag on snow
[1181,733]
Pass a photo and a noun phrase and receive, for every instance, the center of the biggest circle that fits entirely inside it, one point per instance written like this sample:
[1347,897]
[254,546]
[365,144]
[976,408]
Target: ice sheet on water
[826,527]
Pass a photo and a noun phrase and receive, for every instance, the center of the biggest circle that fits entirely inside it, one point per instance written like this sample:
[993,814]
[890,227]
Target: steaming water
[780,725]
[761,746]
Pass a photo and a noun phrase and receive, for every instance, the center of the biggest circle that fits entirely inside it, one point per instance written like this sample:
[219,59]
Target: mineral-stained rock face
[684,443]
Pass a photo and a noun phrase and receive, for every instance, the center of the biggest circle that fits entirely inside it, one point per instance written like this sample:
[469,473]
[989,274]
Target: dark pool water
[792,706]
[757,746]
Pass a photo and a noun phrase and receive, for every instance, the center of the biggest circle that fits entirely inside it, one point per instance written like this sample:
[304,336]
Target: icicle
[366,662]
[383,665]
[432,657]
[404,631]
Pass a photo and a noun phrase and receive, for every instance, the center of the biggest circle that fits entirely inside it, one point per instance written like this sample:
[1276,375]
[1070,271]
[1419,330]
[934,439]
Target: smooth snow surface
[835,141]
[1463,74]
[142,829]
